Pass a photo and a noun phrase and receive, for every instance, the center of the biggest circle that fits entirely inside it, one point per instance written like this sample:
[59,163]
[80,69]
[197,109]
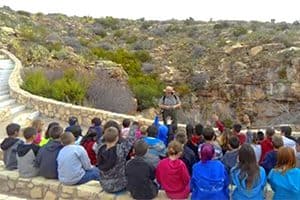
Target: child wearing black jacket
[140,175]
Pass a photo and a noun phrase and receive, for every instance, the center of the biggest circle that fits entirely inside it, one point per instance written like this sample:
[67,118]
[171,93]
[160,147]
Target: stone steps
[18,112]
[7,102]
[4,92]
[4,97]
[16,108]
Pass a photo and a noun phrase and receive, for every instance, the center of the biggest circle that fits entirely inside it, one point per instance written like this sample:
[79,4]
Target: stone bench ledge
[41,188]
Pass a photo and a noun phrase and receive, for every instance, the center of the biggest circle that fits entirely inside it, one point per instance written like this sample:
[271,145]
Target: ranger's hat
[169,89]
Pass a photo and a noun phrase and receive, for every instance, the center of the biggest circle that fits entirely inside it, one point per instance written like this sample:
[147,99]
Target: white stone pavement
[9,197]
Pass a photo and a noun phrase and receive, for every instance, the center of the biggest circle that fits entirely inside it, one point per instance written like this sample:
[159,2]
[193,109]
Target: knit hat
[207,152]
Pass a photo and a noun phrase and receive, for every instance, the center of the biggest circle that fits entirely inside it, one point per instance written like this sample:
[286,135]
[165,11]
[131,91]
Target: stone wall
[41,188]
[57,109]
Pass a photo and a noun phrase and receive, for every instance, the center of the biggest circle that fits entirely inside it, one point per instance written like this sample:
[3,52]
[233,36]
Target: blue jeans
[90,175]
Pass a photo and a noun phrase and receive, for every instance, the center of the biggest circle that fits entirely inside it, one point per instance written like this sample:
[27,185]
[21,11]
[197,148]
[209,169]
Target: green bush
[146,89]
[238,31]
[143,56]
[131,39]
[68,88]
[37,83]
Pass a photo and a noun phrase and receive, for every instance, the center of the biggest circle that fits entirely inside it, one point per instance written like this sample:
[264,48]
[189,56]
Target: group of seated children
[199,163]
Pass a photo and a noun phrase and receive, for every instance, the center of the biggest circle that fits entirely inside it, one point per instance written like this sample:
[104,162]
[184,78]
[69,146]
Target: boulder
[7,30]
[234,48]
[148,67]
[256,50]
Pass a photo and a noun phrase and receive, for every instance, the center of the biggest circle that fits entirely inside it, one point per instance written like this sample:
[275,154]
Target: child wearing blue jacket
[209,179]
[249,178]
[285,177]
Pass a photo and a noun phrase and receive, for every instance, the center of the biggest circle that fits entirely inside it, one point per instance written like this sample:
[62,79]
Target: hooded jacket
[140,179]
[210,181]
[230,159]
[174,178]
[285,186]
[46,159]
[156,150]
[26,155]
[163,131]
[112,162]
[9,148]
[241,192]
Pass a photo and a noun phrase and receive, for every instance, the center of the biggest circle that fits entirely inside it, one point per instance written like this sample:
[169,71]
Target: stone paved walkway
[9,197]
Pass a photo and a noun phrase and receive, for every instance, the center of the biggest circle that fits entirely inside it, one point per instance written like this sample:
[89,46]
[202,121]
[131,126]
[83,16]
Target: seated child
[77,133]
[111,159]
[172,174]
[125,130]
[73,121]
[210,179]
[47,155]
[9,146]
[46,139]
[195,137]
[88,141]
[210,138]
[140,175]
[38,125]
[73,164]
[96,125]
[156,147]
[230,157]
[270,160]
[249,178]
[188,156]
[26,154]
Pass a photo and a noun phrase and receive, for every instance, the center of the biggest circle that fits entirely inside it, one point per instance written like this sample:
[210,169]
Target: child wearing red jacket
[172,174]
[88,142]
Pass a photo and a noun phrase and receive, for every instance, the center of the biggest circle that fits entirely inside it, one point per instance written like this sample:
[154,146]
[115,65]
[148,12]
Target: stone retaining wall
[57,109]
[41,188]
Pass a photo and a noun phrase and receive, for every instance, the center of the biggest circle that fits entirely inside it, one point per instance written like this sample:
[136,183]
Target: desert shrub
[239,30]
[104,88]
[32,33]
[143,56]
[130,63]
[37,53]
[119,33]
[146,89]
[24,13]
[37,83]
[221,25]
[109,22]
[183,89]
[282,73]
[60,54]
[131,39]
[68,88]
[98,29]
[144,44]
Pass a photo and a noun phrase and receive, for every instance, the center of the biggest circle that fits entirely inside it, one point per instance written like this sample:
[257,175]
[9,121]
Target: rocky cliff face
[227,67]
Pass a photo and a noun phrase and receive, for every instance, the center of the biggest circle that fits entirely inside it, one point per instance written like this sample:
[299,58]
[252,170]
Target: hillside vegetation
[228,67]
